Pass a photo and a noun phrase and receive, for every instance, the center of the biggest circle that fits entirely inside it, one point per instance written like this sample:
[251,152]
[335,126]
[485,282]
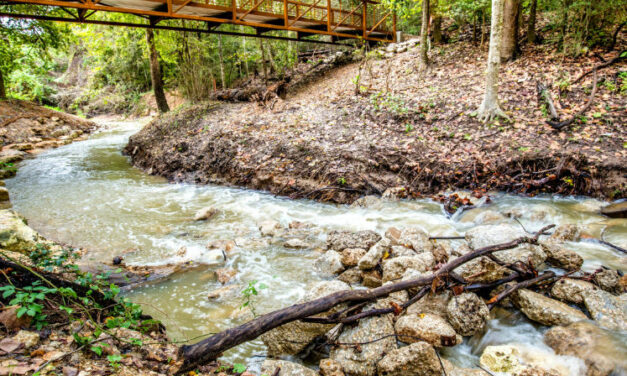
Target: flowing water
[88,195]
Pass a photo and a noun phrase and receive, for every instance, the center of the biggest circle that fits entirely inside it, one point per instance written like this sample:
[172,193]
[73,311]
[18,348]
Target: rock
[483,217]
[4,194]
[15,235]
[615,210]
[395,193]
[371,278]
[351,276]
[296,244]
[28,339]
[558,255]
[394,268]
[366,202]
[294,337]
[602,353]
[225,245]
[330,263]
[415,239]
[607,279]
[570,290]
[340,240]
[351,256]
[329,367]
[606,309]
[545,310]
[205,214]
[225,274]
[467,313]
[417,359]
[11,156]
[393,234]
[69,371]
[481,269]
[230,290]
[269,228]
[399,250]
[521,360]
[363,361]
[8,318]
[2,183]
[428,327]
[488,235]
[431,303]
[565,233]
[374,255]
[269,366]
[453,370]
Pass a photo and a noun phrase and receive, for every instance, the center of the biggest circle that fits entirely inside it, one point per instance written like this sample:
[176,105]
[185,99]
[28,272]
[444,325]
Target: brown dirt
[407,128]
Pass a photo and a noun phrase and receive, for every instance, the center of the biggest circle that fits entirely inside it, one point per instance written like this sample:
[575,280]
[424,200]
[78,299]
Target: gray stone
[565,233]
[488,235]
[366,202]
[426,327]
[294,337]
[415,239]
[374,255]
[4,194]
[545,310]
[602,353]
[330,263]
[329,367]
[399,251]
[269,366]
[570,290]
[15,235]
[340,240]
[351,256]
[350,276]
[431,303]
[296,244]
[606,309]
[417,359]
[615,210]
[269,228]
[363,361]
[371,278]
[607,279]
[395,268]
[481,269]
[453,370]
[562,257]
[467,313]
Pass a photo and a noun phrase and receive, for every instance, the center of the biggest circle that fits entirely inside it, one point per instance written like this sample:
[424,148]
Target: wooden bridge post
[329,15]
[364,24]
[285,18]
[234,9]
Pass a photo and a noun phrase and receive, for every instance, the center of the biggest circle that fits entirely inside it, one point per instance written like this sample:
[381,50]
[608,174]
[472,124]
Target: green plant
[30,299]
[249,293]
[408,128]
[341,181]
[114,360]
[239,368]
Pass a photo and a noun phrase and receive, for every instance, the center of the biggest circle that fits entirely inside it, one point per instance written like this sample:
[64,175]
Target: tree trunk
[263,60]
[474,29]
[155,73]
[3,92]
[222,77]
[245,57]
[531,26]
[490,107]
[509,43]
[424,30]
[437,30]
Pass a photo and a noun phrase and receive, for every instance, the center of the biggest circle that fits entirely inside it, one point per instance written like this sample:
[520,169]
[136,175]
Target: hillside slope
[406,129]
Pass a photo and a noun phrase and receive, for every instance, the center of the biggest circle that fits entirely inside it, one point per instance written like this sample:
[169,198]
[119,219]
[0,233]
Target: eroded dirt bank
[415,132]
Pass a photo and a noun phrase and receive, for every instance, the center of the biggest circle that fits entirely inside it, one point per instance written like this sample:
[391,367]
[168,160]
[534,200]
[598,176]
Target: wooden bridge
[339,19]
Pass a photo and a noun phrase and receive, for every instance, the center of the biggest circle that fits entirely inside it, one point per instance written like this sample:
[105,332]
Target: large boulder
[415,239]
[329,367]
[488,235]
[431,303]
[294,337]
[426,327]
[607,279]
[559,255]
[524,360]
[467,313]
[351,256]
[615,210]
[395,268]
[15,235]
[602,353]
[269,366]
[340,240]
[571,290]
[563,233]
[545,310]
[606,309]
[363,361]
[417,359]
[374,255]
[329,263]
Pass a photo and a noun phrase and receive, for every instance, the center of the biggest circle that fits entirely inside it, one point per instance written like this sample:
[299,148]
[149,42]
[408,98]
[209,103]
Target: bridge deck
[361,19]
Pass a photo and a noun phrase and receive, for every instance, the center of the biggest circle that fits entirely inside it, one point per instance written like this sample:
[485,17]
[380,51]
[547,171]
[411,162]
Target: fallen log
[621,56]
[211,348]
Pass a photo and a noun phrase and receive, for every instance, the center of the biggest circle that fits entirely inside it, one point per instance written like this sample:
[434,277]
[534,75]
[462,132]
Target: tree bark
[490,107]
[531,26]
[424,30]
[3,92]
[437,30]
[222,77]
[509,43]
[155,73]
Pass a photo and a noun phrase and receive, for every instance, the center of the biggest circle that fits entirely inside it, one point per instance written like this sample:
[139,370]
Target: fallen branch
[560,125]
[521,285]
[212,347]
[621,56]
[544,93]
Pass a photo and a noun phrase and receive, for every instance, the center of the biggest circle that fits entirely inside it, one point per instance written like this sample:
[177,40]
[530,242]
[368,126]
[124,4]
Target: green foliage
[249,293]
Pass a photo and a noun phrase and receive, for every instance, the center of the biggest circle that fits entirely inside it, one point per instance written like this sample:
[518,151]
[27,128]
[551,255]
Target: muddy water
[87,194]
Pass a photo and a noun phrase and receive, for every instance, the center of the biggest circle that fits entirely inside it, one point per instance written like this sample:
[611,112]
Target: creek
[88,195]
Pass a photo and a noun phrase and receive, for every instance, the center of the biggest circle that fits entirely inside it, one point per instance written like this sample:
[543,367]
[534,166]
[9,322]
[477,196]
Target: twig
[560,125]
[276,371]
[601,66]
[521,285]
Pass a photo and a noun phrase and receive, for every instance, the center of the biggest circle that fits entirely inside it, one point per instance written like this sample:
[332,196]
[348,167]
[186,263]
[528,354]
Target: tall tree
[424,30]
[509,43]
[531,26]
[221,58]
[490,107]
[155,73]
[3,91]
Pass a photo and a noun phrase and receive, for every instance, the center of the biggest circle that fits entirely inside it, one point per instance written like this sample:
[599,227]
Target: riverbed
[87,194]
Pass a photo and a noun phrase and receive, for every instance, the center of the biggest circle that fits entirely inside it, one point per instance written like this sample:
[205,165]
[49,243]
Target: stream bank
[406,135]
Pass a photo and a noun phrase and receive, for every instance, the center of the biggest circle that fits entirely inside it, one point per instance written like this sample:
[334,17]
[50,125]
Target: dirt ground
[384,125]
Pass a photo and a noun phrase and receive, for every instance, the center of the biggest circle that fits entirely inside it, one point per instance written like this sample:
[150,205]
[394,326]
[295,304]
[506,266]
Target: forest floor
[412,131]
